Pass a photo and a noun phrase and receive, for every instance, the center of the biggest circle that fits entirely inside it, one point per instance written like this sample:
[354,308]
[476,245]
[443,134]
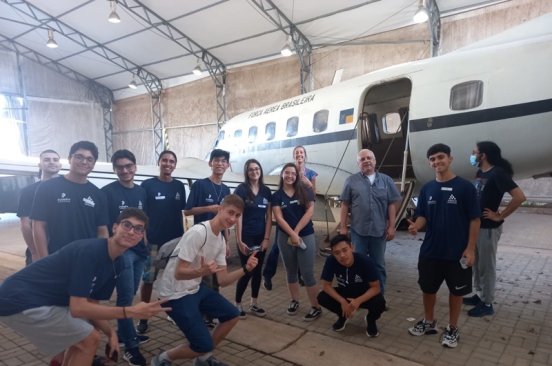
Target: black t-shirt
[351,281]
[26,199]
[491,186]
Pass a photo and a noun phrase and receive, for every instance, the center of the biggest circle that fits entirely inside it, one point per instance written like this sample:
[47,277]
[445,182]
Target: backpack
[170,250]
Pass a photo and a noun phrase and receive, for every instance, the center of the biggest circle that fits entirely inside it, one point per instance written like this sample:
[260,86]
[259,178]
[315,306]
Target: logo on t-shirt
[64,199]
[123,205]
[209,199]
[452,199]
[177,197]
[140,205]
[159,197]
[358,279]
[88,201]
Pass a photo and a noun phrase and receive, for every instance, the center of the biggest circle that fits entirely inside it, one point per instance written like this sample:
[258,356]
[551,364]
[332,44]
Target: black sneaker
[141,340]
[260,312]
[142,326]
[371,327]
[293,307]
[472,300]
[313,314]
[324,252]
[210,323]
[267,284]
[481,310]
[134,357]
[340,324]
[243,315]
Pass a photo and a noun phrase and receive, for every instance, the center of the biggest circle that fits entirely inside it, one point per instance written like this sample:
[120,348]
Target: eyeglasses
[120,168]
[138,229]
[81,158]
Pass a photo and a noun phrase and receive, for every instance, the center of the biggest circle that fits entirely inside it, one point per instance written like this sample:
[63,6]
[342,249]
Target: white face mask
[473,160]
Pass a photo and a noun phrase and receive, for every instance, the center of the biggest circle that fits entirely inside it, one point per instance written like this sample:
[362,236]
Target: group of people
[83,242]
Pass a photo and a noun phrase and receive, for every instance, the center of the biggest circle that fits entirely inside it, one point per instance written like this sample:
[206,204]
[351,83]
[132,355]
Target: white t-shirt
[192,247]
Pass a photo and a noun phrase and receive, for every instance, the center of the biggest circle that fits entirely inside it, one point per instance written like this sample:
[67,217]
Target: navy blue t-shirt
[448,208]
[352,281]
[118,198]
[71,211]
[254,214]
[82,268]
[165,202]
[491,186]
[293,210]
[26,199]
[206,193]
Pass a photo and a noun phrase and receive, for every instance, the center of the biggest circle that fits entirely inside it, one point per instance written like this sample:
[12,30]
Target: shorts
[432,273]
[51,329]
[150,272]
[188,311]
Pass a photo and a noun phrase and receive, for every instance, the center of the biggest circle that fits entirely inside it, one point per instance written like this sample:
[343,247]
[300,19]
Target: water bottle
[302,245]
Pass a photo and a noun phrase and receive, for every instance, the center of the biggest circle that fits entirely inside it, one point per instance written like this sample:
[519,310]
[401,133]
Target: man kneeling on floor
[54,301]
[202,252]
[357,286]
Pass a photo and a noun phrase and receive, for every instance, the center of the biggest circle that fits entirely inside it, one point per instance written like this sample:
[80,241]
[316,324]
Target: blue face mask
[473,160]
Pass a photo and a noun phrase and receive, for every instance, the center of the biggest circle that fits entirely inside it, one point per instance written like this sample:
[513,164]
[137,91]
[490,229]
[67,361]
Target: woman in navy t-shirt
[253,231]
[293,207]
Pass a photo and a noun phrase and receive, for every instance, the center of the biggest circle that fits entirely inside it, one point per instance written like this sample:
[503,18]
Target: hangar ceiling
[161,41]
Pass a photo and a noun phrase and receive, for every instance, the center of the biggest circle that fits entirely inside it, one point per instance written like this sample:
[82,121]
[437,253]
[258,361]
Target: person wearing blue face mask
[493,179]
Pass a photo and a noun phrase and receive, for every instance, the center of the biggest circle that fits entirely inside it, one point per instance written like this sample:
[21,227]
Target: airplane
[497,89]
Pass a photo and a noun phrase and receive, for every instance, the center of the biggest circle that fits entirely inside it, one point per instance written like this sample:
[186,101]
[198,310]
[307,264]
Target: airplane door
[383,125]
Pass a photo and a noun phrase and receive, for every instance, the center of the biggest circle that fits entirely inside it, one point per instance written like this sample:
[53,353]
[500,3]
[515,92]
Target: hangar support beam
[301,43]
[434,25]
[214,66]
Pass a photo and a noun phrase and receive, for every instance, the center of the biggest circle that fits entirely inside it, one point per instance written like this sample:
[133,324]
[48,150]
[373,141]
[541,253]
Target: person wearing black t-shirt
[493,179]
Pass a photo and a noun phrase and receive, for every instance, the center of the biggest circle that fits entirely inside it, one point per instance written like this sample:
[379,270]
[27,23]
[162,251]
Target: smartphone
[256,248]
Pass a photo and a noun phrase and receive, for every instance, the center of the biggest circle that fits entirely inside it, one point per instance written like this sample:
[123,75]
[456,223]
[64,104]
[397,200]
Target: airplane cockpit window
[391,123]
[252,135]
[270,131]
[466,95]
[320,121]
[237,134]
[292,126]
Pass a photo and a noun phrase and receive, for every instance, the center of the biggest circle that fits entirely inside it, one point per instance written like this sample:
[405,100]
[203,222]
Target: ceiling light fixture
[51,41]
[286,50]
[113,16]
[421,15]
[132,84]
[197,70]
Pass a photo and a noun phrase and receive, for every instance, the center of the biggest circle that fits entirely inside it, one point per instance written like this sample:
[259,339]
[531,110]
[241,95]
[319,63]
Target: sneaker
[450,337]
[472,300]
[141,340]
[210,323]
[267,284]
[293,307]
[371,327]
[134,357]
[313,314]
[324,252]
[243,315]
[157,361]
[260,312]
[211,361]
[340,324]
[481,310]
[142,326]
[423,327]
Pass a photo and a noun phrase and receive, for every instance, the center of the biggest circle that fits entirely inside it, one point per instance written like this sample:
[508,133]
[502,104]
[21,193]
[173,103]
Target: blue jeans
[127,285]
[374,247]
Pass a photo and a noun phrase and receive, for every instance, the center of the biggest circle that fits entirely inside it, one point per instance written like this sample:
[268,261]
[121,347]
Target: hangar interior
[52,97]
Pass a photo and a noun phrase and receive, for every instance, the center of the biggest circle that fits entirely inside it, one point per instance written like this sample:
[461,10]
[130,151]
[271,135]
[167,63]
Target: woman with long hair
[307,176]
[253,232]
[292,207]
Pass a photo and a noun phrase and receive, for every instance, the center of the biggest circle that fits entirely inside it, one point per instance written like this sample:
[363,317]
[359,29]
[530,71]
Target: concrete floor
[518,334]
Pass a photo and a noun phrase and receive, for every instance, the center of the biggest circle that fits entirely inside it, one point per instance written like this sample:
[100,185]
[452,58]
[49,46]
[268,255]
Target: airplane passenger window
[466,95]
[391,123]
[292,126]
[270,131]
[320,121]
[238,134]
[252,133]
